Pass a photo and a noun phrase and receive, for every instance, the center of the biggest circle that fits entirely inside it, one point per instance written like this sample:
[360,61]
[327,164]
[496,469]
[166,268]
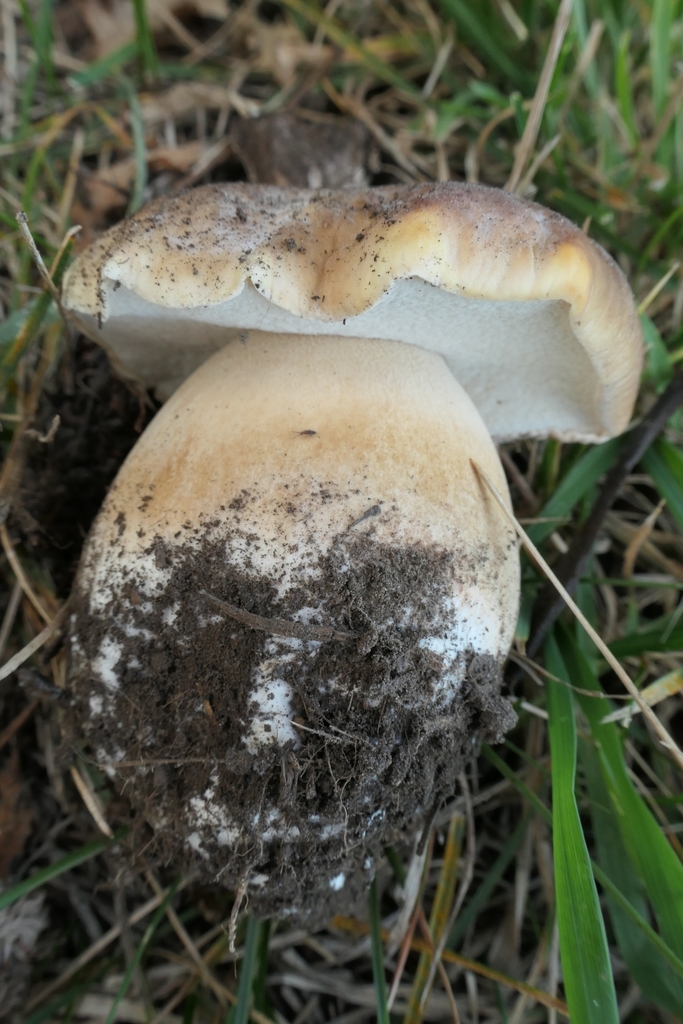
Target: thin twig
[10,615]
[98,947]
[533,124]
[280,627]
[180,930]
[572,565]
[21,576]
[445,980]
[69,190]
[465,882]
[34,645]
[664,736]
[22,221]
[91,801]
[363,928]
[654,291]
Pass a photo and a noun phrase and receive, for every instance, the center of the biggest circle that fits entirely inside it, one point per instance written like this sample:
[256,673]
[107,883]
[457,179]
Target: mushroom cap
[534,319]
[316,482]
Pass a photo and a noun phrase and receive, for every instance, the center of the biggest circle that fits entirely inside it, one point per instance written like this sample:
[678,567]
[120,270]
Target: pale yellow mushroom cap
[534,319]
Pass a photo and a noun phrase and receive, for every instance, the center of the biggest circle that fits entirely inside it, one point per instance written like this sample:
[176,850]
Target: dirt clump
[277,762]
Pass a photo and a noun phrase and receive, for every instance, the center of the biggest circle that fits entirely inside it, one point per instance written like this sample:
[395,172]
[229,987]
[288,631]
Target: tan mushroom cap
[534,319]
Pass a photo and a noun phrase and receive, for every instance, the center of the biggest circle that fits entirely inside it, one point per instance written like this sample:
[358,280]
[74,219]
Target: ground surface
[99,112]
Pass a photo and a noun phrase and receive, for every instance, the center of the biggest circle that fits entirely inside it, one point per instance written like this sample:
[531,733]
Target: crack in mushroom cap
[535,320]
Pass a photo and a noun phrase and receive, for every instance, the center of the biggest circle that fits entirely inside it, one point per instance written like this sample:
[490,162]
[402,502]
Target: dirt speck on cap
[276,762]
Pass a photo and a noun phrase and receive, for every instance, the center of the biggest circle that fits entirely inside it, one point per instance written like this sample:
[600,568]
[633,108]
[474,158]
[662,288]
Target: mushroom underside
[496,349]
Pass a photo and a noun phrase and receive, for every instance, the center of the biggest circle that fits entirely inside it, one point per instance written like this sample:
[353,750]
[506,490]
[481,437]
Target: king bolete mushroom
[292,611]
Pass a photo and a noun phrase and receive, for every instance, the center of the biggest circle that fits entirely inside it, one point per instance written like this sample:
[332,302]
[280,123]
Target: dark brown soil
[377,741]
[64,482]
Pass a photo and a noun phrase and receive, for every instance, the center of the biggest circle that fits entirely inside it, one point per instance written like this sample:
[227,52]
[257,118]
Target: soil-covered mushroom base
[282,762]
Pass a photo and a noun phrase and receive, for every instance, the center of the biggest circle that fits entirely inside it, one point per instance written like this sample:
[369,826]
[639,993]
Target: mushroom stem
[296,483]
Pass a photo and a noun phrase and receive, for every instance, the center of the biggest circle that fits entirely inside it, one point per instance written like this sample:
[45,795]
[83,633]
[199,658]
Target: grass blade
[140,150]
[653,859]
[487,887]
[378,957]
[239,1014]
[72,860]
[438,919]
[140,951]
[147,54]
[107,65]
[347,41]
[577,483]
[664,463]
[466,17]
[260,998]
[33,322]
[588,981]
[668,955]
[650,970]
[660,640]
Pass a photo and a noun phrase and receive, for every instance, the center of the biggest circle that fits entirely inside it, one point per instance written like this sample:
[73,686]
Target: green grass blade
[239,1014]
[12,324]
[586,969]
[385,72]
[623,86]
[664,462]
[260,998]
[655,863]
[660,639]
[140,951]
[28,330]
[43,43]
[654,939]
[140,151]
[528,794]
[487,887]
[466,17]
[72,860]
[660,45]
[378,956]
[583,475]
[659,368]
[147,54]
[638,920]
[650,970]
[109,64]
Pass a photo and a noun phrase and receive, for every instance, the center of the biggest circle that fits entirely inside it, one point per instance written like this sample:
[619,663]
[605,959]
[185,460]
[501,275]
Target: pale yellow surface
[291,440]
[327,256]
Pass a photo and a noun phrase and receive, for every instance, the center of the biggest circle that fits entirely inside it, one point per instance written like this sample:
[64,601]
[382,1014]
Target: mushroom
[291,614]
[513,296]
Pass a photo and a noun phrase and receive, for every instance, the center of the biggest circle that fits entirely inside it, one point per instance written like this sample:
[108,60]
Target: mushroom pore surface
[291,614]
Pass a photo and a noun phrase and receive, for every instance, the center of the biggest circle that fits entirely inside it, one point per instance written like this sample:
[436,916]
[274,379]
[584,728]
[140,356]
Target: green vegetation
[577,820]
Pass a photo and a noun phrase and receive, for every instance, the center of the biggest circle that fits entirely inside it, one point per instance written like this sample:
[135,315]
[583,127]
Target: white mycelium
[106,662]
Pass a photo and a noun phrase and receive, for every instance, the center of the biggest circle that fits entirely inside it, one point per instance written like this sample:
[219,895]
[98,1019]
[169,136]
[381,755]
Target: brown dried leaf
[182,101]
[112,23]
[107,190]
[287,150]
[280,49]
